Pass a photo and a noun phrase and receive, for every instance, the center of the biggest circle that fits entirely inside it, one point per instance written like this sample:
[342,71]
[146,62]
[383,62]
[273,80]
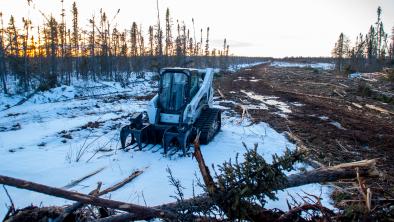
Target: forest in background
[370,52]
[42,56]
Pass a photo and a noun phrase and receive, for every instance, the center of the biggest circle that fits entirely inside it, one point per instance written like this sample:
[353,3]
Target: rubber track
[205,122]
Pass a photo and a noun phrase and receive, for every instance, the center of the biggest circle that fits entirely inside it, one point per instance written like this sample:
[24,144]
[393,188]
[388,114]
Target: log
[122,183]
[221,94]
[75,182]
[338,93]
[379,109]
[310,95]
[72,208]
[140,212]
[303,148]
[204,170]
[367,168]
[357,105]
[23,100]
[325,175]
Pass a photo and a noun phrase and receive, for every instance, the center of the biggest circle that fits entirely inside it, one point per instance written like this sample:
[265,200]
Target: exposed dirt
[328,113]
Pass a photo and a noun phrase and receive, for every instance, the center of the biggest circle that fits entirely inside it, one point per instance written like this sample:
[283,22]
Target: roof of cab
[178,69]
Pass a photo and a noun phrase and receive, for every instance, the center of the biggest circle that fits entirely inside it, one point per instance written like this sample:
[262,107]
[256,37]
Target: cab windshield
[173,91]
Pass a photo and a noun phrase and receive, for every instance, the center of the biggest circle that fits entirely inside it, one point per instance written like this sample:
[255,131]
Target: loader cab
[177,88]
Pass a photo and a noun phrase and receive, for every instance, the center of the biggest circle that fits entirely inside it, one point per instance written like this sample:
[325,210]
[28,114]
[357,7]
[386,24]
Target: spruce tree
[151,37]
[25,78]
[159,33]
[133,39]
[168,40]
[92,45]
[340,51]
[207,43]
[13,38]
[391,48]
[141,43]
[51,33]
[224,47]
[3,71]
[75,34]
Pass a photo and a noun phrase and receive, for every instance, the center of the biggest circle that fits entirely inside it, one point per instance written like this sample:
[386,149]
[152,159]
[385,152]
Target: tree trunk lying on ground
[72,208]
[168,211]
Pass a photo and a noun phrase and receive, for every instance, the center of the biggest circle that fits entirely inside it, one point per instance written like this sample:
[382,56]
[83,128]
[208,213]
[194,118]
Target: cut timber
[366,168]
[72,208]
[140,212]
[23,100]
[245,113]
[321,175]
[362,163]
[309,95]
[221,94]
[303,148]
[76,182]
[357,105]
[204,170]
[346,86]
[122,183]
[379,109]
[339,94]
[323,84]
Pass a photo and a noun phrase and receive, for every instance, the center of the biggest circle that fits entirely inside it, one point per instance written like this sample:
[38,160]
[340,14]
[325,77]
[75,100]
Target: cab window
[195,84]
[172,94]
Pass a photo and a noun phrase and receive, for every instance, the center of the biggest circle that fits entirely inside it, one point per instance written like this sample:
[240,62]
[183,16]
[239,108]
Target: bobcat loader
[181,110]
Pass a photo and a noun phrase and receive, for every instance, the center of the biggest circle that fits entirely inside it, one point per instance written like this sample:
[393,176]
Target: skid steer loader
[180,110]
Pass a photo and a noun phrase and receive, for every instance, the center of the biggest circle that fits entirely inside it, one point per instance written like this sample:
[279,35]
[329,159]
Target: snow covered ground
[41,141]
[234,68]
[324,66]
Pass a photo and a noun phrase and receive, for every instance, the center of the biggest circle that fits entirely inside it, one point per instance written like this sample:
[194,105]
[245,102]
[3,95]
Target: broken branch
[140,212]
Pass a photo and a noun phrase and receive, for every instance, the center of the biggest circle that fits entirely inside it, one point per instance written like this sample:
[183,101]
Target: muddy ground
[333,116]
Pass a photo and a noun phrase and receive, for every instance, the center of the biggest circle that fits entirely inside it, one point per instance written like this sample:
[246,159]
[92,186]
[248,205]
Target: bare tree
[3,71]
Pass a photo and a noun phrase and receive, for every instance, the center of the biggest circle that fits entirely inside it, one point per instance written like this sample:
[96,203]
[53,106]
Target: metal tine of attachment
[130,148]
[151,147]
[174,151]
[156,150]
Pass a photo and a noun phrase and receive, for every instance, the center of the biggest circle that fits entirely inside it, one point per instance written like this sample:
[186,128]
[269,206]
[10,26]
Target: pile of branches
[237,191]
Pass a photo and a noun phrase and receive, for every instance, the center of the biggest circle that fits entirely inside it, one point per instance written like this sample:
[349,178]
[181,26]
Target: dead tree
[2,57]
[214,197]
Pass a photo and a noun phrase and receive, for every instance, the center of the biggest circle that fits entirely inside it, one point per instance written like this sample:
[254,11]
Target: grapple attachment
[145,133]
[179,135]
[136,129]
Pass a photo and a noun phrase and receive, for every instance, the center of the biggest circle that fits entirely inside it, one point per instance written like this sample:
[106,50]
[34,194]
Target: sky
[275,28]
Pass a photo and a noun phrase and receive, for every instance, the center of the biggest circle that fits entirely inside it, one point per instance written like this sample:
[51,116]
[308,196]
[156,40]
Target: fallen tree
[229,195]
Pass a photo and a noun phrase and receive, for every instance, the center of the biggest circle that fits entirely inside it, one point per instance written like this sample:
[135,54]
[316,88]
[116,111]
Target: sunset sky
[253,27]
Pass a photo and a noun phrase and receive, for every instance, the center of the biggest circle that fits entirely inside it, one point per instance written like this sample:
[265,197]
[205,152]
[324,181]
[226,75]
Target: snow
[354,75]
[38,152]
[332,122]
[324,66]
[371,77]
[234,68]
[337,125]
[271,101]
[252,79]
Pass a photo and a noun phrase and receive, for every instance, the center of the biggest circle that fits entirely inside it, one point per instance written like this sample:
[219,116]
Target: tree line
[370,52]
[49,54]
